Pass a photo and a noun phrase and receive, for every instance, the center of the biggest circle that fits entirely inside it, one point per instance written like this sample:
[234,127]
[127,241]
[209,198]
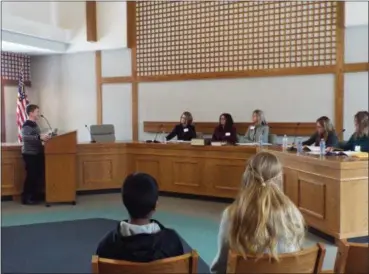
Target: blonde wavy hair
[261,117]
[262,214]
[326,124]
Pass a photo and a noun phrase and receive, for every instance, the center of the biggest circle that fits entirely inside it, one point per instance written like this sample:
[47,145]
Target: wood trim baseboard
[279,128]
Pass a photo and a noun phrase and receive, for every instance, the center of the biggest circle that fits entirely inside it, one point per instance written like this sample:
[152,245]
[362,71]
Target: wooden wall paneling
[7,82]
[291,129]
[91,21]
[339,74]
[131,24]
[3,127]
[223,44]
[356,67]
[132,43]
[98,71]
[323,188]
[117,80]
[134,98]
[240,74]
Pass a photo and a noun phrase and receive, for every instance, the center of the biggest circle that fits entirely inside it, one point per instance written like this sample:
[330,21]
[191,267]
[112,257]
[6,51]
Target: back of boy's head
[140,195]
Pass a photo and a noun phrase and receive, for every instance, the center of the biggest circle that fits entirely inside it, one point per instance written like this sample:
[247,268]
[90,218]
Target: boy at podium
[33,156]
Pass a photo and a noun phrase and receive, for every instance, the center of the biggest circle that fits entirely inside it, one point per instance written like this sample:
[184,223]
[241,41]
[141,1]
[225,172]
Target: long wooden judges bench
[332,193]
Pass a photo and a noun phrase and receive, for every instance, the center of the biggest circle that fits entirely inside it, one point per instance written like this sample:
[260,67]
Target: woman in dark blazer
[184,131]
[225,131]
[324,130]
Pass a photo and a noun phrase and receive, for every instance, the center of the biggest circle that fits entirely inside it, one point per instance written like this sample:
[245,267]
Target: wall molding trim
[356,67]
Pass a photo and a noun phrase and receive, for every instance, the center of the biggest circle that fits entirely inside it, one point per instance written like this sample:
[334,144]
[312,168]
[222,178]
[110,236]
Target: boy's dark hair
[140,194]
[31,108]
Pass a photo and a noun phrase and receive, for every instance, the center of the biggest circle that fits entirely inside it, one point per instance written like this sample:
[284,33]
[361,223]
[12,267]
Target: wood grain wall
[234,40]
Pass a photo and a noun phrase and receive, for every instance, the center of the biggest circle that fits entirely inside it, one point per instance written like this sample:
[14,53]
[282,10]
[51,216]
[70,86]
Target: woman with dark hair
[225,131]
[324,130]
[184,131]
[360,139]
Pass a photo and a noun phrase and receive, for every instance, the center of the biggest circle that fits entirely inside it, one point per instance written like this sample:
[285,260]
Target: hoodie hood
[136,243]
[127,229]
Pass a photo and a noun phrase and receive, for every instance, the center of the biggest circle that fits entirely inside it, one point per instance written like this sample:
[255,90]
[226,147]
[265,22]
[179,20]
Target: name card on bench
[197,142]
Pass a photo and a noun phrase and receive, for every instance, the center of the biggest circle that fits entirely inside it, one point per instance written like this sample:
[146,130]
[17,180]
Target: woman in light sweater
[262,219]
[258,129]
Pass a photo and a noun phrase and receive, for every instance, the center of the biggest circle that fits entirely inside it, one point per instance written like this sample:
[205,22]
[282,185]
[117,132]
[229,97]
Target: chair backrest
[102,133]
[308,260]
[352,258]
[186,263]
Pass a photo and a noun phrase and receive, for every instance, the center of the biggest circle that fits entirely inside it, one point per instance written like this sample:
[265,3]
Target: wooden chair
[352,258]
[308,260]
[186,263]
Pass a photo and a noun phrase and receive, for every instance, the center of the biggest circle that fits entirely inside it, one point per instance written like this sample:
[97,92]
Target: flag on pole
[22,102]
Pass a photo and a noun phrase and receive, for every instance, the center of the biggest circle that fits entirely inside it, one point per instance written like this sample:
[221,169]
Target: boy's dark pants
[34,184]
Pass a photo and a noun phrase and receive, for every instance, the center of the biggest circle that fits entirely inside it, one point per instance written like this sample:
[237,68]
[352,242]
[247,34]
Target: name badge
[185,130]
[228,134]
[252,127]
[357,148]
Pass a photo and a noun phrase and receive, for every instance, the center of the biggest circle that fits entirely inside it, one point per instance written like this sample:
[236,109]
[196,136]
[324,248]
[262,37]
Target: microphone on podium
[92,138]
[156,135]
[296,131]
[292,148]
[52,133]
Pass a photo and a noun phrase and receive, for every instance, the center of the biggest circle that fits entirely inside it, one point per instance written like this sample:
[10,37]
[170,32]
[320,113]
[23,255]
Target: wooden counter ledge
[331,192]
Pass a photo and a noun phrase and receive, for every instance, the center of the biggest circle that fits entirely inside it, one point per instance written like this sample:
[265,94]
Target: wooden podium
[61,169]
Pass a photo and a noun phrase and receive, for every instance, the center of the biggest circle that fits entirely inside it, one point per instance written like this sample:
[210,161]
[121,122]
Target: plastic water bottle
[261,140]
[322,147]
[299,145]
[284,142]
[164,139]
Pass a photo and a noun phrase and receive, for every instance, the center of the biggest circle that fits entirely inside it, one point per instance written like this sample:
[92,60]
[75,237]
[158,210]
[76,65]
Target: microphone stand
[292,148]
[48,124]
[297,127]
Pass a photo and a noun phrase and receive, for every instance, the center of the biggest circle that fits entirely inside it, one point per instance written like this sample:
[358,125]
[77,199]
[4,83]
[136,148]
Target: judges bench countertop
[331,192]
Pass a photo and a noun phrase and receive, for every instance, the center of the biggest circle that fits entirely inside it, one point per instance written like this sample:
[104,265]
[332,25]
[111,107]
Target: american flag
[22,102]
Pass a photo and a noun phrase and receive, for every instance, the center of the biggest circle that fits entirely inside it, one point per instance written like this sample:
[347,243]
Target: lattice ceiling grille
[180,37]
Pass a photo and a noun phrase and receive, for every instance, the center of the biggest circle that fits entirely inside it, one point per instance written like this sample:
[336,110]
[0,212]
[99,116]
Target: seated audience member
[225,131]
[258,129]
[184,131]
[140,239]
[324,130]
[360,138]
[262,219]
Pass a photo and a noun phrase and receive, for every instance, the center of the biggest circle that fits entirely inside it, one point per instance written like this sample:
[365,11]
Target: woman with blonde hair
[262,219]
[359,140]
[185,130]
[258,129]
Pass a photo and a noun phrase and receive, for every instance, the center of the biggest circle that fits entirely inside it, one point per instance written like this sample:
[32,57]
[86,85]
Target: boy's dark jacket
[140,247]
